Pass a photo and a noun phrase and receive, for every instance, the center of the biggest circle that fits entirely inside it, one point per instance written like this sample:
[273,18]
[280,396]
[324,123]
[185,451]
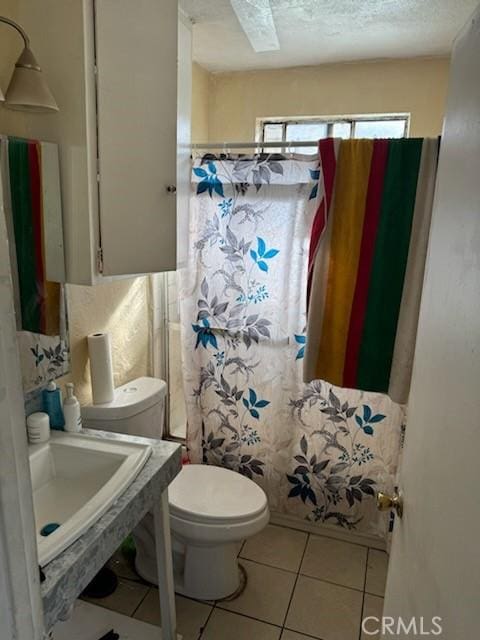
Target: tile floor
[300,586]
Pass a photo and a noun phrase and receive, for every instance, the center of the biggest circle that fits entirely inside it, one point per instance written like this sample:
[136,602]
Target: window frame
[329,120]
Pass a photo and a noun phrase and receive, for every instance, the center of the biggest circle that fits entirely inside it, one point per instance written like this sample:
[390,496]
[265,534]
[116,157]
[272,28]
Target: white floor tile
[293,635]
[372,606]
[325,610]
[376,572]
[224,625]
[90,622]
[276,546]
[191,615]
[266,595]
[335,561]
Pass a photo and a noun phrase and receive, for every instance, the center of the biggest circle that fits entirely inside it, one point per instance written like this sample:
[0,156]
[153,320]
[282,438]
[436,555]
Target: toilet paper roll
[101,369]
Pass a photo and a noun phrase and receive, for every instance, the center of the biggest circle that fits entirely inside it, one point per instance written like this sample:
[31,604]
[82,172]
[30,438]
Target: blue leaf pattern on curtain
[319,452]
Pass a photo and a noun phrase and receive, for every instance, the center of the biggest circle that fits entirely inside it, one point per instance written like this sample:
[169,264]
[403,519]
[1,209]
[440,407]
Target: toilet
[212,509]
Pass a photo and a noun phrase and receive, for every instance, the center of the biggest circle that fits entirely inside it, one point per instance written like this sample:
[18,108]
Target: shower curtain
[320,452]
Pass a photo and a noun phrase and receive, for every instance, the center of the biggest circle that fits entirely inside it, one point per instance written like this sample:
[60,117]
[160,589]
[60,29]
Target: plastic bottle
[52,404]
[38,427]
[71,410]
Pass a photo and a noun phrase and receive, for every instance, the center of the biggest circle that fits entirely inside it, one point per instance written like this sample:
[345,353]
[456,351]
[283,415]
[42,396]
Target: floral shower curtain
[320,452]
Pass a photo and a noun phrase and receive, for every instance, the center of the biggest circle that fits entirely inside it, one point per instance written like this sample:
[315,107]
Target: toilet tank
[137,409]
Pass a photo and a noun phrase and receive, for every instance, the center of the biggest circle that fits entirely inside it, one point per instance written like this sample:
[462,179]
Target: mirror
[31,201]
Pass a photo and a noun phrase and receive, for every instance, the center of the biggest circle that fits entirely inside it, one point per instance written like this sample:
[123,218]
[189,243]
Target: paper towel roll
[101,369]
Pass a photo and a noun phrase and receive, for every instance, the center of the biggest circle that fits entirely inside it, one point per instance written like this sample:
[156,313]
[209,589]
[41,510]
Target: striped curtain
[366,264]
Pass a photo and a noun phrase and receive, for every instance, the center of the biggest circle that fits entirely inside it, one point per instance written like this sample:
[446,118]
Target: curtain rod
[255,145]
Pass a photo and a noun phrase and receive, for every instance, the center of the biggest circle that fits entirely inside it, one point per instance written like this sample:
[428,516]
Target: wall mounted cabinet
[112,66]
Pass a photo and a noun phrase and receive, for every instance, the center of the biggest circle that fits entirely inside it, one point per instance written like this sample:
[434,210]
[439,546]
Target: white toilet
[211,509]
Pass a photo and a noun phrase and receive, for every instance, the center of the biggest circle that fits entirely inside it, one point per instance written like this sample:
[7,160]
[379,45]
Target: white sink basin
[75,479]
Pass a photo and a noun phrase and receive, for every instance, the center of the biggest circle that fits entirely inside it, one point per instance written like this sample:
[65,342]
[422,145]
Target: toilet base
[205,560]
[200,572]
[209,573]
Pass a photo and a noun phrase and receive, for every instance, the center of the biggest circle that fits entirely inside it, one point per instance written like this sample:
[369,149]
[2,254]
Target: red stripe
[367,248]
[326,150]
[37,223]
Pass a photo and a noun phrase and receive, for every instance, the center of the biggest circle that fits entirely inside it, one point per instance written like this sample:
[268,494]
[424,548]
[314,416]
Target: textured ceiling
[321,31]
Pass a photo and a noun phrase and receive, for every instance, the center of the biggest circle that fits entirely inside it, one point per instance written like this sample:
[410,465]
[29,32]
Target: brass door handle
[386,502]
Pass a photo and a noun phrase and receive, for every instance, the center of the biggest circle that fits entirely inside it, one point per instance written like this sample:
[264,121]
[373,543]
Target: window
[291,130]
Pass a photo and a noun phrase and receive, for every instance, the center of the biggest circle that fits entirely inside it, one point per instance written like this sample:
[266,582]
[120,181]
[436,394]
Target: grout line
[335,584]
[270,566]
[301,633]
[205,624]
[326,534]
[295,583]
[250,617]
[375,595]
[363,596]
[243,615]
[241,549]
[140,603]
[305,575]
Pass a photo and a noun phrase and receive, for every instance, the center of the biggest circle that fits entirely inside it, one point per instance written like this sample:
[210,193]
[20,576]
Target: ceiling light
[256,19]
[28,89]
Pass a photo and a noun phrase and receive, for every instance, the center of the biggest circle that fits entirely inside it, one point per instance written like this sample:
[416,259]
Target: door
[136,58]
[435,557]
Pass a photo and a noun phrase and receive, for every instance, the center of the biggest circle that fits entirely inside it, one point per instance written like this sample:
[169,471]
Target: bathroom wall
[120,308]
[416,85]
[201,88]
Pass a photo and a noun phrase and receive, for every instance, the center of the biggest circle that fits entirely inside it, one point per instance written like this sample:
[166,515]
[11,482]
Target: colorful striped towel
[367,259]
[39,298]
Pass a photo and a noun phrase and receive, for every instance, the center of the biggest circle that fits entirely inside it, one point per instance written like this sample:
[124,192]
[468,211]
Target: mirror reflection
[31,200]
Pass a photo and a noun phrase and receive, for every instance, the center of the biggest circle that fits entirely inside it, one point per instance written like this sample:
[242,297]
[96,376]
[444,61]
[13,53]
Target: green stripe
[24,236]
[389,265]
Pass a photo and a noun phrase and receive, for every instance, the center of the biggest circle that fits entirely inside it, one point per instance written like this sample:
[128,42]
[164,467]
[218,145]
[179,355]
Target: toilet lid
[204,493]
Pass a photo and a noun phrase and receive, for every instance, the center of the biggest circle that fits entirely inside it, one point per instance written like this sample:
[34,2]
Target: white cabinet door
[435,560]
[136,57]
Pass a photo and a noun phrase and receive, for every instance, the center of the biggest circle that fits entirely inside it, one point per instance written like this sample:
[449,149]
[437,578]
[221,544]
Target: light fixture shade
[28,90]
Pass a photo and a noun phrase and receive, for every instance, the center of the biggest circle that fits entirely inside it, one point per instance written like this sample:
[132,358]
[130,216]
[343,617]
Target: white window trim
[352,118]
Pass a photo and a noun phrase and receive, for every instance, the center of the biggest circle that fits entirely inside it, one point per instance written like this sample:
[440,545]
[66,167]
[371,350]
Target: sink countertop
[69,573]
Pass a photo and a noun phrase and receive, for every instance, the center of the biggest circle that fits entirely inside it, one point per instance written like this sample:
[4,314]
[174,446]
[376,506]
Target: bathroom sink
[75,479]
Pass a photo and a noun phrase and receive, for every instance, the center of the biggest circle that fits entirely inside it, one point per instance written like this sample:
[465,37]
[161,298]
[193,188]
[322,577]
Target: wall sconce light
[28,90]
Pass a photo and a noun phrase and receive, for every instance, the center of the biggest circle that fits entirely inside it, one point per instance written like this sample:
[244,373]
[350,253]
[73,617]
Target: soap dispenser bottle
[71,410]
[52,404]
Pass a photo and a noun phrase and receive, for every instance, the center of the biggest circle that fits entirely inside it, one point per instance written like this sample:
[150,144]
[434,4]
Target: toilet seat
[210,495]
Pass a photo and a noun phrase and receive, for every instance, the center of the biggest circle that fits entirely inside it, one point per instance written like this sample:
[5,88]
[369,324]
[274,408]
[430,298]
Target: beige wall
[417,86]
[200,102]
[120,308]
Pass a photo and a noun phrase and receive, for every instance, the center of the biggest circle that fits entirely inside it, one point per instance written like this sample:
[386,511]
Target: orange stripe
[353,170]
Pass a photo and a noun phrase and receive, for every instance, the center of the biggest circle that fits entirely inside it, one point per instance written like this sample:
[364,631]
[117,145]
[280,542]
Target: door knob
[386,502]
[171,188]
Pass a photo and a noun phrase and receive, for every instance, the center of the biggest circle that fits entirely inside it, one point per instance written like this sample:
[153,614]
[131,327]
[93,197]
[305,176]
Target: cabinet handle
[172,188]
